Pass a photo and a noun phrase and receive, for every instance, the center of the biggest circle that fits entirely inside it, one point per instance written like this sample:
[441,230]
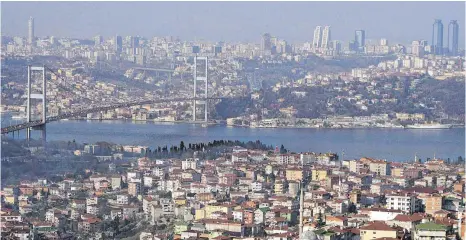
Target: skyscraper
[31,30]
[437,37]
[266,43]
[326,37]
[360,39]
[452,41]
[118,44]
[316,42]
[336,46]
[135,45]
[135,42]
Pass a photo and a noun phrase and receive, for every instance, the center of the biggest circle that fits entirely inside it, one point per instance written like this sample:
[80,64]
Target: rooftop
[431,226]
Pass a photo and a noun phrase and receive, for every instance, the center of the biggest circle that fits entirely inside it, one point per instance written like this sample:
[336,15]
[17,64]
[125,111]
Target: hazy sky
[232,21]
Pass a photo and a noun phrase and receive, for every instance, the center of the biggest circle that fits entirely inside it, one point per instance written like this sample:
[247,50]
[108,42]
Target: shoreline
[222,122]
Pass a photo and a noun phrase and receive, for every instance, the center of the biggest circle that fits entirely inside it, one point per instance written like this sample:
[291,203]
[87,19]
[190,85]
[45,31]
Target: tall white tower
[41,96]
[201,75]
[326,37]
[316,42]
[31,30]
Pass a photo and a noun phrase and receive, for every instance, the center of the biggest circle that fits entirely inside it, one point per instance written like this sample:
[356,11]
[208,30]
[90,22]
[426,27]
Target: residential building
[430,230]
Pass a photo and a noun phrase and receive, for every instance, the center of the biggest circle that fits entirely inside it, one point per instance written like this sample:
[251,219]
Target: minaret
[301,207]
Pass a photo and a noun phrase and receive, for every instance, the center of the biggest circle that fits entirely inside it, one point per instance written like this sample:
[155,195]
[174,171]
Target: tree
[116,224]
[320,221]
[181,146]
[272,177]
[282,149]
[42,192]
[352,208]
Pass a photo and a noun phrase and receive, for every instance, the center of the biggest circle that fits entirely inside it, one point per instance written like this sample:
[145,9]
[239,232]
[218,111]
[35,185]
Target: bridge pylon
[201,76]
[41,96]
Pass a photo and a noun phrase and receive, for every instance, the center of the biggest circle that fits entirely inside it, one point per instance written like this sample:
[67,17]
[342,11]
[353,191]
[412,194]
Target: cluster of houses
[246,194]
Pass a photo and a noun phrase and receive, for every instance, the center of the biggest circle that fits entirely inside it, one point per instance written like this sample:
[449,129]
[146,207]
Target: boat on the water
[18,117]
[428,126]
[388,125]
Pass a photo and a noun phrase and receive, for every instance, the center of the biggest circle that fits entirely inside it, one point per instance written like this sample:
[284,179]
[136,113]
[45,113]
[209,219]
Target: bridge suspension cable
[64,87]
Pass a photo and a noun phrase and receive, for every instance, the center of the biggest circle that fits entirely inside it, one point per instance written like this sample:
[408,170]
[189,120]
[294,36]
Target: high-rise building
[135,45]
[383,42]
[31,30]
[135,42]
[128,41]
[316,42]
[360,39]
[417,49]
[336,46]
[351,46]
[98,40]
[452,41]
[326,37]
[274,41]
[437,37]
[18,41]
[118,44]
[282,46]
[266,43]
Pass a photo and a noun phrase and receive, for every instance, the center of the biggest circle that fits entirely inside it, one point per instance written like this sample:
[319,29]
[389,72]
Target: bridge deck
[93,110]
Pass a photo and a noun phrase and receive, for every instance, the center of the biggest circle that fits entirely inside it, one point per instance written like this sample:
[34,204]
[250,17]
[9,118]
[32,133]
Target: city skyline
[230,28]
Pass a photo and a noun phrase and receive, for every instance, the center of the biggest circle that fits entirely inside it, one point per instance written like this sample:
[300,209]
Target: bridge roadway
[94,110]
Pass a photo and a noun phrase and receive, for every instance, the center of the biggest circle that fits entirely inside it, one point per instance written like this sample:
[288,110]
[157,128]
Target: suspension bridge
[41,123]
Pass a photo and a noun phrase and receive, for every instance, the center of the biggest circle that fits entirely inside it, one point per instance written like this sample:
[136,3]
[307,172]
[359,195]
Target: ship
[18,117]
[429,126]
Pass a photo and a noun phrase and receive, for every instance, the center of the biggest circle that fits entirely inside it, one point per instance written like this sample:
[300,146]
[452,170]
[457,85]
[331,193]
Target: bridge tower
[202,75]
[42,96]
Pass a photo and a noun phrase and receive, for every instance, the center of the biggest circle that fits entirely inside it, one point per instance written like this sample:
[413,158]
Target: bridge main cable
[98,109]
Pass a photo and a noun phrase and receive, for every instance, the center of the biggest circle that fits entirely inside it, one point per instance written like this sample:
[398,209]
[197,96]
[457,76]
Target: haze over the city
[399,22]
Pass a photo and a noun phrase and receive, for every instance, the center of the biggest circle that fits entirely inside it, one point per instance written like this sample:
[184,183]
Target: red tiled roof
[408,218]
[380,226]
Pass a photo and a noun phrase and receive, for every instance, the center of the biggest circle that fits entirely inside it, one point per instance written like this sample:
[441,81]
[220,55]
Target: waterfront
[390,144]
